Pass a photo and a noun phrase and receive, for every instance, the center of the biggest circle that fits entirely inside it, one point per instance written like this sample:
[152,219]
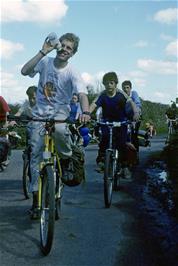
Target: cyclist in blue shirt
[127,88]
[75,109]
[113,104]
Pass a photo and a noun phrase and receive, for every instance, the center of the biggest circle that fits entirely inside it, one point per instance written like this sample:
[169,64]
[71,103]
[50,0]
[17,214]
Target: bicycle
[112,166]
[26,176]
[172,127]
[49,184]
[8,141]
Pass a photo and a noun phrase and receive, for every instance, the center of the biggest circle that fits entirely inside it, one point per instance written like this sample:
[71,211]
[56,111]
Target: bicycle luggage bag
[76,168]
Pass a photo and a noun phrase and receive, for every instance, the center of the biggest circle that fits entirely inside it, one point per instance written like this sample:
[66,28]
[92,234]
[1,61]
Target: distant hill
[154,112]
[151,112]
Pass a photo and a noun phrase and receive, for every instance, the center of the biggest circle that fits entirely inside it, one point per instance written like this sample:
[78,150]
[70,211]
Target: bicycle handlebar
[173,120]
[25,119]
[114,123]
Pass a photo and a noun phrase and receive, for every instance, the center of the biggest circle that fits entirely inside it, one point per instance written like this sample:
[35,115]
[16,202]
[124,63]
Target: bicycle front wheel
[47,209]
[108,178]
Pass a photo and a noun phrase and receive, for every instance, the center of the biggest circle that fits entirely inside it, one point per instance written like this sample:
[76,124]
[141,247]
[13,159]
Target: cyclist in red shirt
[4,109]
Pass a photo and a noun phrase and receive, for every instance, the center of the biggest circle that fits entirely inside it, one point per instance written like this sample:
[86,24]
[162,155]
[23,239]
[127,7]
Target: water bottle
[53,40]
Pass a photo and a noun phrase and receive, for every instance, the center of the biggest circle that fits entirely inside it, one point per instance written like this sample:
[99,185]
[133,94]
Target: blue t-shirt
[136,99]
[75,108]
[113,108]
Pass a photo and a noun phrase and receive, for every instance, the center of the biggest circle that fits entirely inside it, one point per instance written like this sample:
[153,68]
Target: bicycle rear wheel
[26,178]
[108,178]
[47,209]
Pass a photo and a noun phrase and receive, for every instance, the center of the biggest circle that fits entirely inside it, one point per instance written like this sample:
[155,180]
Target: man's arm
[83,99]
[136,112]
[93,105]
[28,68]
[136,99]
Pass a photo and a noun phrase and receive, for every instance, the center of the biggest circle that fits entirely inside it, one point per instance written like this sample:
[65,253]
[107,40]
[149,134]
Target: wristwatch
[86,113]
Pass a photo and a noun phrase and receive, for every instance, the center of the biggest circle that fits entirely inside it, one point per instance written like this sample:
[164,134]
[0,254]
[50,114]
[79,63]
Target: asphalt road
[87,234]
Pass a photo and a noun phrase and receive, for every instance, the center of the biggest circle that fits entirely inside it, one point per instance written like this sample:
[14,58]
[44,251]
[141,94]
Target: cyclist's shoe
[100,167]
[34,213]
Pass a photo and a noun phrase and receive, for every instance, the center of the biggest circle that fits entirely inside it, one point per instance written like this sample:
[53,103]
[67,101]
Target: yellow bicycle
[51,180]
[49,187]
[49,184]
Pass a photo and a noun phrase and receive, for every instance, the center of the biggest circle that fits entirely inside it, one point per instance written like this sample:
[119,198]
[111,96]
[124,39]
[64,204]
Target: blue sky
[136,39]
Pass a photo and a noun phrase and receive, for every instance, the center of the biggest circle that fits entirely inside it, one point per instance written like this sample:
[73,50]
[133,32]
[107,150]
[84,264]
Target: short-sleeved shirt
[113,108]
[25,109]
[74,110]
[61,82]
[136,99]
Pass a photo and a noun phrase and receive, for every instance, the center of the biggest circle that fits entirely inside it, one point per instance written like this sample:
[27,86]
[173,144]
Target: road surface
[87,234]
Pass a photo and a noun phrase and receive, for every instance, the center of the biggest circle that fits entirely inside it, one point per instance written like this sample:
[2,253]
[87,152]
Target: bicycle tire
[26,179]
[57,209]
[58,196]
[108,178]
[117,179]
[116,170]
[47,219]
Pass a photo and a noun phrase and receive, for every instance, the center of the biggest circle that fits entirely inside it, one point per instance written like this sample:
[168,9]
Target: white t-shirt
[62,83]
[25,109]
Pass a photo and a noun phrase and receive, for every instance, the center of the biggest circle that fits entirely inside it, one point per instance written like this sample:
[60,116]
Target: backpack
[76,173]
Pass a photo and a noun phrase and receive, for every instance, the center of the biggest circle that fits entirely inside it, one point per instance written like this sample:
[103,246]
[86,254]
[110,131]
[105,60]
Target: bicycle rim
[26,179]
[117,171]
[47,210]
[58,197]
[108,179]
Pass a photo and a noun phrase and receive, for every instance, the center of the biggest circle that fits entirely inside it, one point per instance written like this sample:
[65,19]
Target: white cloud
[166,37]
[167,16]
[137,73]
[141,44]
[139,83]
[93,79]
[9,48]
[13,89]
[160,94]
[161,97]
[33,10]
[88,79]
[136,77]
[172,48]
[8,80]
[157,67]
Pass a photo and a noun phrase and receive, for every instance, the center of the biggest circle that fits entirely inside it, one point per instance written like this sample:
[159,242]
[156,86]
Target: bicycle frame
[51,157]
[111,163]
[49,185]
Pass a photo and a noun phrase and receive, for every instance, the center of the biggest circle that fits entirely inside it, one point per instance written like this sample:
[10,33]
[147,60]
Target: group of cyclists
[58,83]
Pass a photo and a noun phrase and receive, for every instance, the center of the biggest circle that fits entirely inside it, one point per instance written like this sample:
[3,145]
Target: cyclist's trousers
[62,144]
